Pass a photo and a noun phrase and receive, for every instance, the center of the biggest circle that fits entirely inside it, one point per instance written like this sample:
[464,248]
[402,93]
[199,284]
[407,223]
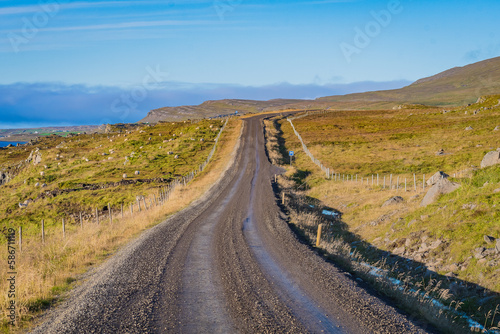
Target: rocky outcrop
[436,177]
[393,200]
[35,157]
[4,178]
[490,159]
[443,186]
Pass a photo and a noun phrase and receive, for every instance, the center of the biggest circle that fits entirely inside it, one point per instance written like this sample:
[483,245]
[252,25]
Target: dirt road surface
[227,264]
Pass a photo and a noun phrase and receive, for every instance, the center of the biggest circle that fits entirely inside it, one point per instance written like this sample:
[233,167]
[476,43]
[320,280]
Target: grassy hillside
[213,109]
[83,173]
[444,238]
[454,87]
[451,88]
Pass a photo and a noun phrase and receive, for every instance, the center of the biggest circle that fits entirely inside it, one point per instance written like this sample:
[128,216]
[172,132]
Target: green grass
[71,171]
[403,142]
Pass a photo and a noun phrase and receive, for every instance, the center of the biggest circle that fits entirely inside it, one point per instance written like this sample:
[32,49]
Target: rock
[42,174]
[124,176]
[443,186]
[423,248]
[469,128]
[399,250]
[176,156]
[170,153]
[436,177]
[44,185]
[202,140]
[35,157]
[496,191]
[137,172]
[479,253]
[490,159]
[393,200]
[497,128]
[489,239]
[440,152]
[436,244]
[497,246]
[37,184]
[470,206]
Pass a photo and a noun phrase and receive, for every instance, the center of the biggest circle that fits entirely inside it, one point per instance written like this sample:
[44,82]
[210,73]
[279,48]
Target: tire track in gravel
[229,263]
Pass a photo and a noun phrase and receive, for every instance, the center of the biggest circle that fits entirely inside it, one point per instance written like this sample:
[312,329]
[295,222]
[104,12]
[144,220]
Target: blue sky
[68,61]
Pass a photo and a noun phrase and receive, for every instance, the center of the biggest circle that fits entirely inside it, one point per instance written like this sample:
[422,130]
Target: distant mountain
[457,86]
[214,109]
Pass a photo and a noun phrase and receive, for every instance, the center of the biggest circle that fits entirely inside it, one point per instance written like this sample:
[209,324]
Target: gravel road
[227,264]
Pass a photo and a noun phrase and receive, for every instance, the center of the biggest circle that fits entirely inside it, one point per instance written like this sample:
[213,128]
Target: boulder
[469,128]
[393,200]
[490,159]
[497,246]
[443,186]
[489,239]
[124,176]
[137,172]
[436,177]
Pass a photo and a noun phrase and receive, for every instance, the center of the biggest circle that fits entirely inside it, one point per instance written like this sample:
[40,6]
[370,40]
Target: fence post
[64,228]
[377,179]
[390,183]
[397,184]
[414,182]
[283,198]
[318,237]
[145,204]
[110,214]
[20,238]
[97,215]
[372,180]
[122,210]
[81,220]
[131,209]
[43,231]
[423,183]
[139,204]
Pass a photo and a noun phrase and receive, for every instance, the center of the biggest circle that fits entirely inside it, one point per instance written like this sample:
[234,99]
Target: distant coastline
[6,143]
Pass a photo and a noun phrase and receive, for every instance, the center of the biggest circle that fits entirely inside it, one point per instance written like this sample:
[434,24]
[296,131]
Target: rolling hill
[454,87]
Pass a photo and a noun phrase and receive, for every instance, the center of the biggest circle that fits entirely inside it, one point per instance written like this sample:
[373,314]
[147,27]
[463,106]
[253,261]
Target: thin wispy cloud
[125,25]
[27,9]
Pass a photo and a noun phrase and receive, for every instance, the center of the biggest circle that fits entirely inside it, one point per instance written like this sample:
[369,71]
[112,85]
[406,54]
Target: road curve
[227,264]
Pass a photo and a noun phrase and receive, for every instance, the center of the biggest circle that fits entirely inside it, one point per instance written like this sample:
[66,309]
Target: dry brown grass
[46,271]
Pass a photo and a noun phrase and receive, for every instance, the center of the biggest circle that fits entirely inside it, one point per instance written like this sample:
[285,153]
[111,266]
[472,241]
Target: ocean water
[5,143]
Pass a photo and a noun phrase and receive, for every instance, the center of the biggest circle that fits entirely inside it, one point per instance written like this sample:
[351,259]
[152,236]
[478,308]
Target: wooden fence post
[131,209]
[110,214]
[318,237]
[423,182]
[390,183]
[64,228]
[97,215]
[43,231]
[20,238]
[122,210]
[81,221]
